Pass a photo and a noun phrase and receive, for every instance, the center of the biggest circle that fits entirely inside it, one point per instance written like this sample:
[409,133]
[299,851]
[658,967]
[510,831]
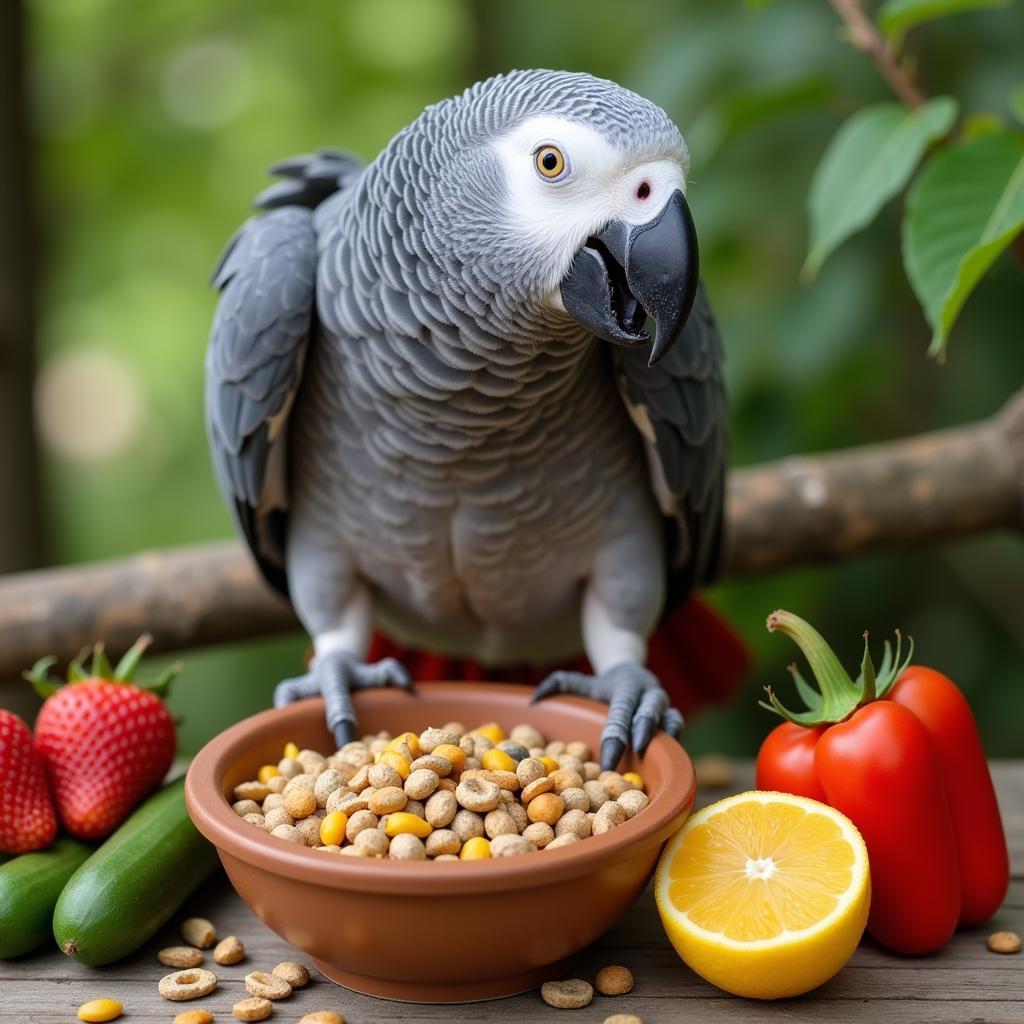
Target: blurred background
[152,125]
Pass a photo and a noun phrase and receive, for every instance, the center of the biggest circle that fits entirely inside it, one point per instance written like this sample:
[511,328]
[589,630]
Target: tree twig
[863,34]
[799,511]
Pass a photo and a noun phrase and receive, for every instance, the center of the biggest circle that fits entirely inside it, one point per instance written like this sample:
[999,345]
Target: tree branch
[798,511]
[863,34]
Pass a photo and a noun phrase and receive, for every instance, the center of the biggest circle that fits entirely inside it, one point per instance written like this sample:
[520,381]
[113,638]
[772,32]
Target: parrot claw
[336,675]
[637,704]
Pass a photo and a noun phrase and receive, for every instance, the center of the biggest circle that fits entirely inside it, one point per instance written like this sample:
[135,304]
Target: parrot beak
[630,272]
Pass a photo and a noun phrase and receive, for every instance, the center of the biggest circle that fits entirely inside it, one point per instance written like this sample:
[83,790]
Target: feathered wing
[679,407]
[266,278]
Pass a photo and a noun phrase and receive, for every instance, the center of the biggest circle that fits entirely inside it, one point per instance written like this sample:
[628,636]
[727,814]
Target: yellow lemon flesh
[765,894]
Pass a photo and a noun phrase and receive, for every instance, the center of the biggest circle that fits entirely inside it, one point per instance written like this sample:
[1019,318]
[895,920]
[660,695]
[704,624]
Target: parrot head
[571,191]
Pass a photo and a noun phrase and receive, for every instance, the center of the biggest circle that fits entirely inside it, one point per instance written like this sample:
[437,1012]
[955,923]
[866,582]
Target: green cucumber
[134,882]
[29,887]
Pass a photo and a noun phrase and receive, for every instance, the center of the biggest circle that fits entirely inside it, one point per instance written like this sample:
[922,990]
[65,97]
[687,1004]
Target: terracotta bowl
[423,931]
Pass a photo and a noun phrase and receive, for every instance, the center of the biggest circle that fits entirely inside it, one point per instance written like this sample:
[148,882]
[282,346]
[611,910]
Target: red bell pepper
[898,752]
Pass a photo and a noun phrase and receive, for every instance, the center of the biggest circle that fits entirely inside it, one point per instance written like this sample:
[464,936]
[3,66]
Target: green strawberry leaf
[897,17]
[963,211]
[130,662]
[868,161]
[101,667]
[161,686]
[39,676]
[76,672]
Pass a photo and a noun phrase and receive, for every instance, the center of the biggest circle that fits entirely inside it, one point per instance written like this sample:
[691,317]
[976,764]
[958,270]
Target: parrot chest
[476,517]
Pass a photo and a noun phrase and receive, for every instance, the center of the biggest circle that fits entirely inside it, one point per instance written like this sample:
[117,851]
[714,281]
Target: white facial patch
[600,184]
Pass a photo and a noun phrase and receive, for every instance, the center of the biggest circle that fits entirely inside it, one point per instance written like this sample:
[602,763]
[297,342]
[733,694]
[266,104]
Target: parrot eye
[550,162]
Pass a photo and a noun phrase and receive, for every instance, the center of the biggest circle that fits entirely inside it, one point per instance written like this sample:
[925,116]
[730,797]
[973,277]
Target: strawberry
[27,819]
[107,741]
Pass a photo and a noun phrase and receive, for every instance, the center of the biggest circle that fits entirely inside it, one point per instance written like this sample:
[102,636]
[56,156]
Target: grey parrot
[433,403]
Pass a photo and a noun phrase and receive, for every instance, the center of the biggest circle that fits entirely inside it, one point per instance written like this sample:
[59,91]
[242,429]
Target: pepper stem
[840,695]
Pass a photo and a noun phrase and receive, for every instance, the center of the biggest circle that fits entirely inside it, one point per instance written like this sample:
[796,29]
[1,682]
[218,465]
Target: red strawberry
[27,819]
[107,741]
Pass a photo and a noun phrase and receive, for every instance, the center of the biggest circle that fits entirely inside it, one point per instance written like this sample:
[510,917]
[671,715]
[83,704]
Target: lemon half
[765,895]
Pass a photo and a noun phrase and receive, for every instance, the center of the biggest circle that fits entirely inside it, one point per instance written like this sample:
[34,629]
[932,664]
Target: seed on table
[191,984]
[383,776]
[372,842]
[714,771]
[332,828]
[256,820]
[402,823]
[180,956]
[194,1017]
[555,748]
[309,829]
[406,846]
[546,807]
[441,808]
[99,1010]
[303,782]
[467,825]
[614,980]
[266,773]
[614,783]
[323,1017]
[267,986]
[198,932]
[273,801]
[359,821]
[244,807]
[623,1018]
[421,783]
[397,761]
[571,994]
[579,749]
[388,800]
[452,753]
[573,822]
[256,1008]
[229,950]
[568,763]
[276,786]
[296,974]
[288,767]
[634,779]
[361,778]
[476,794]
[1004,942]
[591,771]
[517,812]
[257,791]
[350,803]
[326,783]
[289,833]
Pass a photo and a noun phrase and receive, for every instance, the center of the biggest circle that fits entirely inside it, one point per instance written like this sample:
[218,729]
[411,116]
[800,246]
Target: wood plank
[964,982]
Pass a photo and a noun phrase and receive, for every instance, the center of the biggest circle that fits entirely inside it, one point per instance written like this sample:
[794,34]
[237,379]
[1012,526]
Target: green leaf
[39,676]
[897,17]
[868,161]
[963,211]
[126,667]
[100,667]
[1017,102]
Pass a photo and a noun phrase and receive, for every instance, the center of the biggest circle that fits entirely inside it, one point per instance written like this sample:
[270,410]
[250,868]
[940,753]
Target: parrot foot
[336,675]
[637,705]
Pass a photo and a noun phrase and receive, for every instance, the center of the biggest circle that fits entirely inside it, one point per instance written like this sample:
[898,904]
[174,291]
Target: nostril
[643,191]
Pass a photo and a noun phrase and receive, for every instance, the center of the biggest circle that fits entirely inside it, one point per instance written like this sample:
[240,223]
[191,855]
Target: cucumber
[134,882]
[29,887]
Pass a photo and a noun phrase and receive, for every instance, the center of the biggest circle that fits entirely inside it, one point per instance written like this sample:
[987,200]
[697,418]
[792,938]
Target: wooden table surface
[963,983]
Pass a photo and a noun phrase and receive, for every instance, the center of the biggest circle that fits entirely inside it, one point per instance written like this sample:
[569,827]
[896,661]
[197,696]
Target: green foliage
[962,213]
[897,17]
[870,159]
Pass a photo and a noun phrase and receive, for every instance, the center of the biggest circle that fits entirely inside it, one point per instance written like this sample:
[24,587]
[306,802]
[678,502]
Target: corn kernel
[451,753]
[476,848]
[267,772]
[550,763]
[495,760]
[395,759]
[100,1010]
[401,823]
[291,750]
[410,739]
[332,828]
[636,778]
[492,731]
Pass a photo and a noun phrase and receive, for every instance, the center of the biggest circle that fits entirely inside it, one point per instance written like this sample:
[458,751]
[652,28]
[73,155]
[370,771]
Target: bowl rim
[220,824]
